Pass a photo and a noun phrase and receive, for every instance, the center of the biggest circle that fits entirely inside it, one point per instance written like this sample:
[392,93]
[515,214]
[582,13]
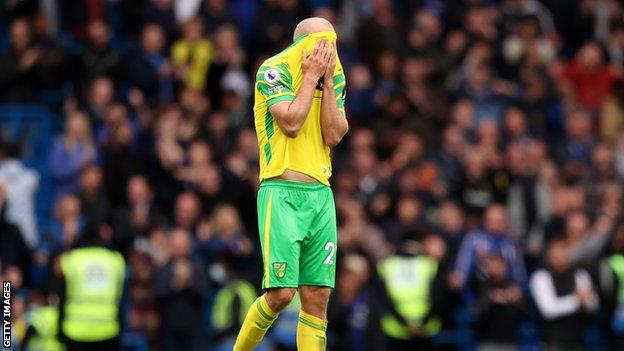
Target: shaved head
[312,25]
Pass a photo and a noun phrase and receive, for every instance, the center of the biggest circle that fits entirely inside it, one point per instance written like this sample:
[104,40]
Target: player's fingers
[332,53]
[304,56]
[316,49]
[327,52]
[322,48]
[322,44]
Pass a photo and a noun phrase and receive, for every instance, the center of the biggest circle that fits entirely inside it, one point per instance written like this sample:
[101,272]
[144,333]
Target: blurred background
[491,133]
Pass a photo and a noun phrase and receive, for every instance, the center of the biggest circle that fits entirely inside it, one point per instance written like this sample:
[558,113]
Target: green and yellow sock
[257,322]
[311,333]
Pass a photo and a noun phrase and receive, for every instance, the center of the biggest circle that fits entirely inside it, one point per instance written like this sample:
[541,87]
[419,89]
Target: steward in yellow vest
[230,308]
[90,303]
[409,280]
[43,328]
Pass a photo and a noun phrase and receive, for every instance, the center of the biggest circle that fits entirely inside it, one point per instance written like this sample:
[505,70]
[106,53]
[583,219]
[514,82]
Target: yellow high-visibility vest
[408,282]
[45,322]
[616,262]
[94,284]
[223,304]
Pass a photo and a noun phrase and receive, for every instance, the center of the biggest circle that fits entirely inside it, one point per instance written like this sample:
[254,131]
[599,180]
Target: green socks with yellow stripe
[311,333]
[257,322]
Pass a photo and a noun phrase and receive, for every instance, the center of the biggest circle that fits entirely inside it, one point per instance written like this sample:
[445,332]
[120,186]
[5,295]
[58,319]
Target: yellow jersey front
[278,79]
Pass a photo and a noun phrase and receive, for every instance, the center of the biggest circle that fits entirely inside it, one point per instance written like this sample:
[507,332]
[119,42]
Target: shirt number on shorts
[331,247]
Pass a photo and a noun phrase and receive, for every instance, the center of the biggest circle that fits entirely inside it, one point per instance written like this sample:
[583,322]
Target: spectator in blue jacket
[493,238]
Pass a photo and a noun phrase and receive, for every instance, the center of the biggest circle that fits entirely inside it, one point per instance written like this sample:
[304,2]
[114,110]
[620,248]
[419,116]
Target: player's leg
[278,298]
[280,255]
[261,315]
[312,326]
[317,275]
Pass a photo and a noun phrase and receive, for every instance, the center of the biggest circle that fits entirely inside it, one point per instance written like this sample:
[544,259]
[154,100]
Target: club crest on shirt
[280,269]
[271,75]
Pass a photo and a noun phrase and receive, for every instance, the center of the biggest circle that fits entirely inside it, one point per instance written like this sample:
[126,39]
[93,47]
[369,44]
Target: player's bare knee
[314,300]
[279,298]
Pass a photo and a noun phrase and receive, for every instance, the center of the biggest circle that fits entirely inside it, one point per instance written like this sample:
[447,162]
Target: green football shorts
[298,235]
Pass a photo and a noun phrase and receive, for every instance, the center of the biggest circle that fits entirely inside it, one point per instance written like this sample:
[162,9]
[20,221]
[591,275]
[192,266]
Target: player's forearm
[333,124]
[291,121]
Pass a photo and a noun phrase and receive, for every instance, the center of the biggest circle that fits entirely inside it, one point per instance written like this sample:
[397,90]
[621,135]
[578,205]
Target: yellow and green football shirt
[278,79]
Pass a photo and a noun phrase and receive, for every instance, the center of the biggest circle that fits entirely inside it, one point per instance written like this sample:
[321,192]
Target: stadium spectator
[91,289]
[19,183]
[14,252]
[564,296]
[93,198]
[18,67]
[498,308]
[138,215]
[590,77]
[234,295]
[224,235]
[493,238]
[99,59]
[352,312]
[161,11]
[51,68]
[191,56]
[71,153]
[101,95]
[151,71]
[180,286]
[611,285]
[411,302]
[67,227]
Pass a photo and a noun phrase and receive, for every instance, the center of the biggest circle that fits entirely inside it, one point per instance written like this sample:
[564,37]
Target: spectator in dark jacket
[498,307]
[139,214]
[17,67]
[151,71]
[352,312]
[99,59]
[161,12]
[180,287]
[93,196]
[564,297]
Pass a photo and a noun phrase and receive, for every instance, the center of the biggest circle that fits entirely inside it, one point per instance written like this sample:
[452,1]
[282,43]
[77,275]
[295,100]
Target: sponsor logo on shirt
[276,89]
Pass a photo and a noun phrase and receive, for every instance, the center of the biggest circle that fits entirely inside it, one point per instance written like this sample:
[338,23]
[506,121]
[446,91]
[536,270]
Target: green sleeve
[340,89]
[274,81]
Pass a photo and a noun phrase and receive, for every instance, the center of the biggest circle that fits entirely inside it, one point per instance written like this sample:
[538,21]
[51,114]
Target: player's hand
[328,77]
[315,63]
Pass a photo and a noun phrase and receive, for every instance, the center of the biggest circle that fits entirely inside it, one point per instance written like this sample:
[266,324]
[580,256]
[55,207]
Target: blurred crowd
[490,132]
